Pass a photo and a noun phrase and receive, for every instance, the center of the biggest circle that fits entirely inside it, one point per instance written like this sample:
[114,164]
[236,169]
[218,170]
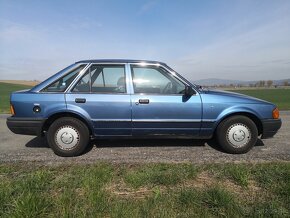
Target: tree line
[261,83]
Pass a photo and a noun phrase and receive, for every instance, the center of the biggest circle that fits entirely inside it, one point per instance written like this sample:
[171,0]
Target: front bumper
[270,127]
[25,126]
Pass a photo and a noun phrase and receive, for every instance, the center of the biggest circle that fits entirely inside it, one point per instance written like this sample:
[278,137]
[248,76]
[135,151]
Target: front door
[159,106]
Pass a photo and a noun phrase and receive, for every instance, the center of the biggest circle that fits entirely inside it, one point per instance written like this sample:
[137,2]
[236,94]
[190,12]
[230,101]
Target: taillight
[12,111]
[275,113]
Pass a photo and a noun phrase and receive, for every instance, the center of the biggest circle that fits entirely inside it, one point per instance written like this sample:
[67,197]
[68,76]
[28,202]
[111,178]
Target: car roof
[119,61]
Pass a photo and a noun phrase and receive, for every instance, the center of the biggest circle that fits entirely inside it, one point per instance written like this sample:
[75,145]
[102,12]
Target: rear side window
[61,84]
[103,79]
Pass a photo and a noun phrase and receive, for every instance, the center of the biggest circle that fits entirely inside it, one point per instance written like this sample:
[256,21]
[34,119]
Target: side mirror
[188,91]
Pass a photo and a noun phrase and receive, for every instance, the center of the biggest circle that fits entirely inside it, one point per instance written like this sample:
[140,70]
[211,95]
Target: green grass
[5,91]
[159,174]
[280,97]
[147,190]
[238,174]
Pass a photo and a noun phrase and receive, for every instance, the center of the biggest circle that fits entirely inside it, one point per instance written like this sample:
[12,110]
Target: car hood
[237,96]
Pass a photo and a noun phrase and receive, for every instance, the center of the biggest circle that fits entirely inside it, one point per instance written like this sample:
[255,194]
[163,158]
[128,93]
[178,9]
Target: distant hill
[218,82]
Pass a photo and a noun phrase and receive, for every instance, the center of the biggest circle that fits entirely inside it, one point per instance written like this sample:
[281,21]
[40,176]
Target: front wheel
[68,137]
[237,134]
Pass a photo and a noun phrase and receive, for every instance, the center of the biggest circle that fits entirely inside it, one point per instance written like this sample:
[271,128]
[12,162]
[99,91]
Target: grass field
[5,90]
[280,97]
[21,82]
[147,190]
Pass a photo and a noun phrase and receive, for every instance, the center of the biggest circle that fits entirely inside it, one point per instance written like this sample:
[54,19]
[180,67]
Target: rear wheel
[237,134]
[68,136]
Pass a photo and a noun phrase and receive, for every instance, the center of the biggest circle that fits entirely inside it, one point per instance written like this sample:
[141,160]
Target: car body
[140,99]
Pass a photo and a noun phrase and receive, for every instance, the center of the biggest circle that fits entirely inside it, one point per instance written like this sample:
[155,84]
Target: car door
[159,106]
[101,95]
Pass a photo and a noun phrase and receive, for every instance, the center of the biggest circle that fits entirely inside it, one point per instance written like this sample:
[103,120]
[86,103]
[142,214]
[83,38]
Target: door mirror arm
[188,91]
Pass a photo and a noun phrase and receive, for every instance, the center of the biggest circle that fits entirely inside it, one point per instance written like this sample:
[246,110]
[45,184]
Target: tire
[68,137]
[237,134]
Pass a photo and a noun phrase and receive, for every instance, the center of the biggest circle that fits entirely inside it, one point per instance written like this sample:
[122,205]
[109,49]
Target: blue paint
[121,114]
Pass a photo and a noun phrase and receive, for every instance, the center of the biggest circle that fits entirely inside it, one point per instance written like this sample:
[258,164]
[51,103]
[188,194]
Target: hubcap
[67,137]
[238,135]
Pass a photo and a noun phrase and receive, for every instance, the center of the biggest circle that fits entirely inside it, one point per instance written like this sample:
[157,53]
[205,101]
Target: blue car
[93,99]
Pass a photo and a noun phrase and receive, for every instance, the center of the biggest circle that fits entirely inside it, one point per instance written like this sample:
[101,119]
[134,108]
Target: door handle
[143,101]
[80,100]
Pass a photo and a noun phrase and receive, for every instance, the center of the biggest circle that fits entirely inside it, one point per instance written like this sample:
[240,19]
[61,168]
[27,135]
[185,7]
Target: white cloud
[11,32]
[84,23]
[146,7]
[251,54]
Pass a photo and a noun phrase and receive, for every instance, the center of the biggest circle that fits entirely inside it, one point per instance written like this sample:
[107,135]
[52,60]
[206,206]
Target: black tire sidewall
[222,131]
[79,126]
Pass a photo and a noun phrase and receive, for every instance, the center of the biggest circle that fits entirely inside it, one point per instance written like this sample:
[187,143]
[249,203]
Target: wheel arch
[251,116]
[55,116]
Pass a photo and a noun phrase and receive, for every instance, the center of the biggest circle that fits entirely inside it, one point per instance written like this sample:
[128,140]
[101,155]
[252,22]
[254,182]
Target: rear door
[159,106]
[101,95]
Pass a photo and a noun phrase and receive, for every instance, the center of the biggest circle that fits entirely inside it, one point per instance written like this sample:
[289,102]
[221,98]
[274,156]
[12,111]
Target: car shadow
[41,142]
[259,143]
[103,143]
[37,142]
[214,144]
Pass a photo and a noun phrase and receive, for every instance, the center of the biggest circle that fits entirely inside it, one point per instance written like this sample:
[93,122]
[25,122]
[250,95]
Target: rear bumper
[25,126]
[270,127]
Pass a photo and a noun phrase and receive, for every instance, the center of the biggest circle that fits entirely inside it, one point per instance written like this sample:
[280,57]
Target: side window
[103,79]
[154,80]
[61,84]
[83,84]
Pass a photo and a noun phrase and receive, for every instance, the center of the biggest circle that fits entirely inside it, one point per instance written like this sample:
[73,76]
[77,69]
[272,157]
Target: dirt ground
[20,148]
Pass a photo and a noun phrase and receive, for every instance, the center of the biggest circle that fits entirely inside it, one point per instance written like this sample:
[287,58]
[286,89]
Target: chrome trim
[149,120]
[173,73]
[75,81]
[63,75]
[157,94]
[111,120]
[99,93]
[129,79]
[126,63]
[208,120]
[168,120]
[188,128]
[72,84]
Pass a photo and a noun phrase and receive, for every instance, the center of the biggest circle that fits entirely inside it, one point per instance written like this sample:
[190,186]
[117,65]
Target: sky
[200,39]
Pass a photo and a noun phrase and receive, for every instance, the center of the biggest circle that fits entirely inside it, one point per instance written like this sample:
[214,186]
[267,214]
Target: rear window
[61,84]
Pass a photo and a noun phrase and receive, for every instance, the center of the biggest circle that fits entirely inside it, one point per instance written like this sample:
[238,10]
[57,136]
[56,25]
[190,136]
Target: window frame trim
[172,74]
[70,90]
[62,76]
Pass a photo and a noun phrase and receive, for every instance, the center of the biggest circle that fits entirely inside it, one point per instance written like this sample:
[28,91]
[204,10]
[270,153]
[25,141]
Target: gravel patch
[18,148]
